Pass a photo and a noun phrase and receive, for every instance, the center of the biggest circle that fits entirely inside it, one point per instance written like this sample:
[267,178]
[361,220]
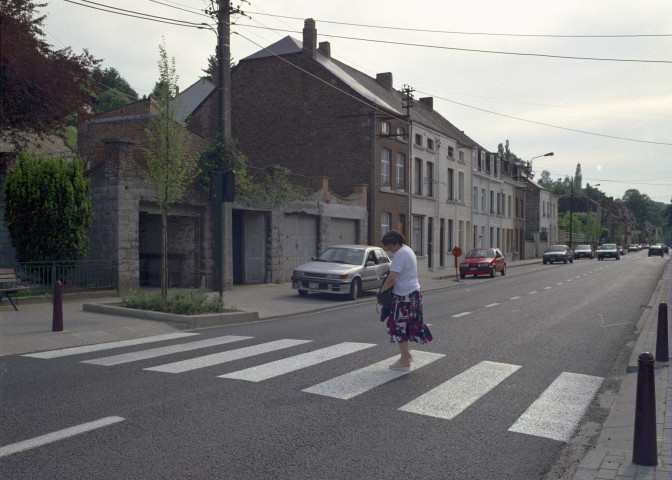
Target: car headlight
[483,264]
[297,273]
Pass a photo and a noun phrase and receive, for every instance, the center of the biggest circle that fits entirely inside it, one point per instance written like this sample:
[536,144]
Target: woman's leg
[405,360]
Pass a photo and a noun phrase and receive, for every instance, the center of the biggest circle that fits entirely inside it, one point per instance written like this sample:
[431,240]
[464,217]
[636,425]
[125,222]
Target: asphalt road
[506,350]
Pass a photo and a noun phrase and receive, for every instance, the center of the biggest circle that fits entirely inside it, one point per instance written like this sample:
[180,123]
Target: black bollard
[57,318]
[662,345]
[644,450]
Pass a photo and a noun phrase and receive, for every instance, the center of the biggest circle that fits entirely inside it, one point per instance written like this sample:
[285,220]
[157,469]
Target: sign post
[456,251]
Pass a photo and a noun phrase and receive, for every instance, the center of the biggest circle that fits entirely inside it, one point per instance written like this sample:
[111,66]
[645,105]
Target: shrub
[181,302]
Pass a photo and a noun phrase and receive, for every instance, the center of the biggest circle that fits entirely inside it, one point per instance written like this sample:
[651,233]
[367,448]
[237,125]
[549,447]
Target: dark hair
[393,238]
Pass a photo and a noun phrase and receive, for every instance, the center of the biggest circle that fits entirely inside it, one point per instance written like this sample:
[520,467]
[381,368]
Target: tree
[48,209]
[116,92]
[40,88]
[578,178]
[639,203]
[169,167]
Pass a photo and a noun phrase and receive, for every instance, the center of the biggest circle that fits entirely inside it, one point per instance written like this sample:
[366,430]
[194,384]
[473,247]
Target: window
[492,202]
[460,235]
[481,162]
[418,177]
[385,128]
[418,140]
[475,199]
[417,235]
[499,204]
[401,171]
[401,133]
[401,227]
[460,187]
[384,223]
[385,167]
[483,200]
[460,156]
[430,179]
[509,205]
[430,144]
[450,182]
[451,153]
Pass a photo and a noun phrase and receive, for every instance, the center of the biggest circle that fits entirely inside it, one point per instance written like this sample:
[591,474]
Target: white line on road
[107,346]
[492,305]
[287,365]
[547,288]
[452,397]
[56,436]
[223,357]
[461,314]
[359,381]
[557,412]
[514,298]
[532,292]
[158,352]
[559,283]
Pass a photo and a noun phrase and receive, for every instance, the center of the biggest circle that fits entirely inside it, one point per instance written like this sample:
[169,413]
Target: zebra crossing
[555,414]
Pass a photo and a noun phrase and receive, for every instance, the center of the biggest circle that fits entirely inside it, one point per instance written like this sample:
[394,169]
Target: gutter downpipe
[372,227]
[411,186]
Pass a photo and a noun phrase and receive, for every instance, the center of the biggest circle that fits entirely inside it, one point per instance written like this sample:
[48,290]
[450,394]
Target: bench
[8,285]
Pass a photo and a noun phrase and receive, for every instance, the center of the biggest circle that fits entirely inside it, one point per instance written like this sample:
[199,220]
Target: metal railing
[73,275]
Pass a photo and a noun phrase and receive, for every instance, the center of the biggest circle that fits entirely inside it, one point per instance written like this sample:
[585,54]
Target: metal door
[255,247]
[300,241]
[342,231]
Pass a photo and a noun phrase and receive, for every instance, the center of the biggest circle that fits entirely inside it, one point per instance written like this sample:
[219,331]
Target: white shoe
[398,367]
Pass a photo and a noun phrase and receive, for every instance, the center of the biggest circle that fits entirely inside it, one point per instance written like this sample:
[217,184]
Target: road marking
[461,314]
[532,292]
[578,276]
[298,362]
[569,279]
[514,298]
[492,305]
[107,346]
[547,288]
[158,352]
[557,412]
[359,381]
[452,397]
[559,283]
[56,436]
[223,357]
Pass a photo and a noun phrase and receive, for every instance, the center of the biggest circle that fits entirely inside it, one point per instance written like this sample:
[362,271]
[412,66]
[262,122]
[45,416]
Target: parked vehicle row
[608,250]
[558,253]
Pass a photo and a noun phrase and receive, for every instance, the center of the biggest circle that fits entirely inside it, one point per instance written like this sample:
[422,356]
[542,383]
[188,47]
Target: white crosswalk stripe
[64,352]
[158,352]
[223,357]
[359,381]
[298,362]
[557,412]
[452,397]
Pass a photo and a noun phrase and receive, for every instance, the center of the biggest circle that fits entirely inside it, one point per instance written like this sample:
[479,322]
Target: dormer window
[385,128]
[401,133]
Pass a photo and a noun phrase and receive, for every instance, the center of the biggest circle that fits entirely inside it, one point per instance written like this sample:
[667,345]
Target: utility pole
[407,91]
[571,213]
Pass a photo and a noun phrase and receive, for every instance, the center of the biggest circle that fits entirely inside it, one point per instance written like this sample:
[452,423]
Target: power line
[449,32]
[471,50]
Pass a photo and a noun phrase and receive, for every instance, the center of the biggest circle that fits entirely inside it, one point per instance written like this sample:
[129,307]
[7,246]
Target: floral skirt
[404,322]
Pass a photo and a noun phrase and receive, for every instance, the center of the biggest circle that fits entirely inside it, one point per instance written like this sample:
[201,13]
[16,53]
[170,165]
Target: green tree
[40,88]
[116,91]
[170,167]
[48,209]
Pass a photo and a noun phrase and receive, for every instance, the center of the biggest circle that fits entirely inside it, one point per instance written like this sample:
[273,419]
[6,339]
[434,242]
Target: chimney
[310,38]
[325,48]
[428,101]
[385,79]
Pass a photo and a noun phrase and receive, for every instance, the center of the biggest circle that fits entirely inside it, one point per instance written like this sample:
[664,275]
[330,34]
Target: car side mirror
[370,263]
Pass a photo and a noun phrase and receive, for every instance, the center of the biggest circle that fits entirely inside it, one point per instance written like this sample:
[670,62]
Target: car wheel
[504,270]
[462,275]
[355,289]
[303,293]
[492,272]
[565,260]
[571,260]
[544,262]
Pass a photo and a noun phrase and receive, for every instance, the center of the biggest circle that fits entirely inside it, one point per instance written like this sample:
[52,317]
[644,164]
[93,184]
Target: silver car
[343,270]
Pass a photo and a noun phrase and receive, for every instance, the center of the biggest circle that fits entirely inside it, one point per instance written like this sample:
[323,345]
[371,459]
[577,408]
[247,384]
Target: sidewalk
[612,456]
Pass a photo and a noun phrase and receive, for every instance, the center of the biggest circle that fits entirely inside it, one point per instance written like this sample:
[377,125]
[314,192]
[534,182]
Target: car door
[370,270]
[499,261]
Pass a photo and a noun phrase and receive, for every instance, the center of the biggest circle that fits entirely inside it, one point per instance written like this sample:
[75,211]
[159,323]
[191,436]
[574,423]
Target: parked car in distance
[621,250]
[558,253]
[343,270]
[608,250]
[656,249]
[665,248]
[634,247]
[584,251]
[483,261]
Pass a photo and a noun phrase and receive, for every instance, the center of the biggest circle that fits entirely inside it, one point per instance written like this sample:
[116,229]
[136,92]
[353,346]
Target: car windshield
[557,248]
[350,256]
[583,247]
[481,253]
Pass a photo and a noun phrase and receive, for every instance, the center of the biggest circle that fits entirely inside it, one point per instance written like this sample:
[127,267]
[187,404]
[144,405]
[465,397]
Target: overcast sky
[612,117]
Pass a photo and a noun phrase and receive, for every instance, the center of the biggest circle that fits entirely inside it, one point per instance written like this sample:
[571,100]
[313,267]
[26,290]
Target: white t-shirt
[406,266]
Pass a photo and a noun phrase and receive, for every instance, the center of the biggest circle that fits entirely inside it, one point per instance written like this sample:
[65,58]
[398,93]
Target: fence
[73,275]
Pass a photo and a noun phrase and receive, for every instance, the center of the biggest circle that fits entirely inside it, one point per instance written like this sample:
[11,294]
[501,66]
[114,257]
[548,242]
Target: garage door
[300,241]
[342,231]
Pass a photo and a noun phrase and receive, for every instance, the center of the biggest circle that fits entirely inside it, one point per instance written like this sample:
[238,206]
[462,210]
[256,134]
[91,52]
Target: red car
[483,261]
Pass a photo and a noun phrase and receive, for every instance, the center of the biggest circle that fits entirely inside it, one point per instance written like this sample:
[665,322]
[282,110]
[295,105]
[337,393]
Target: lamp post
[529,170]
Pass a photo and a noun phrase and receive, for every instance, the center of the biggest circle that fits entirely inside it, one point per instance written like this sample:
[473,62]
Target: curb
[185,321]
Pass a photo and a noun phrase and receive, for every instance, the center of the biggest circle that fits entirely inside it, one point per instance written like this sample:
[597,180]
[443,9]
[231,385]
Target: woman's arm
[389,281]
